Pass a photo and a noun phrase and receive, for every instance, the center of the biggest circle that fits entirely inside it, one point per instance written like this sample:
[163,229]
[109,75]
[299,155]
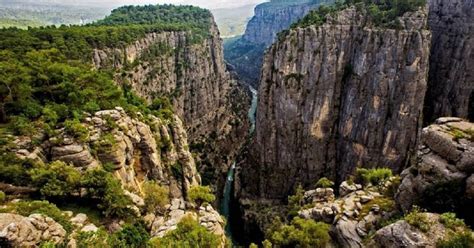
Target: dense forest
[45,72]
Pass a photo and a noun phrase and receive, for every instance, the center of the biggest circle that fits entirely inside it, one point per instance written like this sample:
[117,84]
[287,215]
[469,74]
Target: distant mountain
[232,21]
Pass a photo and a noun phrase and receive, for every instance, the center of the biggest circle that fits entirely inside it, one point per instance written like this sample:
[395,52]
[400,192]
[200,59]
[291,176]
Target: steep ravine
[246,54]
[193,74]
[334,97]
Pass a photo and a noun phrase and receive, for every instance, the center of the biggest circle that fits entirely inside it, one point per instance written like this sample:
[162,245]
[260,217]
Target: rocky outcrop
[334,97]
[246,54]
[402,234]
[451,77]
[178,209]
[352,216]
[20,231]
[441,178]
[190,71]
[136,151]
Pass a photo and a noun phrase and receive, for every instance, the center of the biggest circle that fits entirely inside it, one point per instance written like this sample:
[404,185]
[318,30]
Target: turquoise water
[228,188]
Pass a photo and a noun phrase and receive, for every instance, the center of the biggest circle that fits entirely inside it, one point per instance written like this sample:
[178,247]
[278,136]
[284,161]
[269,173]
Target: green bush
[101,185]
[324,183]
[99,239]
[449,220]
[418,219]
[200,195]
[267,244]
[296,201]
[56,180]
[188,234]
[457,240]
[253,245]
[27,208]
[301,233]
[156,196]
[76,129]
[132,235]
[372,176]
[3,197]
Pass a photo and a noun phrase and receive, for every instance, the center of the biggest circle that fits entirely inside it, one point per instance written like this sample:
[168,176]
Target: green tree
[56,180]
[301,233]
[200,195]
[156,196]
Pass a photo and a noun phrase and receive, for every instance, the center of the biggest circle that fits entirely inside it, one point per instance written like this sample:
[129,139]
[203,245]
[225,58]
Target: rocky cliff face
[246,54]
[451,78]
[335,97]
[443,177]
[192,73]
[136,151]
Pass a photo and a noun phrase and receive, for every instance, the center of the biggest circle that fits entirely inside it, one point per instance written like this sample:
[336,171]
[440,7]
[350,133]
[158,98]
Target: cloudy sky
[210,4]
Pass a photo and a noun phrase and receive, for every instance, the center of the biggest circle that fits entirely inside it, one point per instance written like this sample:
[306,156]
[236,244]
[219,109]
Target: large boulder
[20,231]
[442,177]
[404,234]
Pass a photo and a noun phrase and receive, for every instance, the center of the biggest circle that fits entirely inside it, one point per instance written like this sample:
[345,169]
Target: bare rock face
[334,97]
[451,77]
[442,176]
[246,54]
[20,231]
[190,72]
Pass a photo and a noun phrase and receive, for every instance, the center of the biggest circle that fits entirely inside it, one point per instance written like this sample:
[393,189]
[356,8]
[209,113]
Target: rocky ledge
[442,178]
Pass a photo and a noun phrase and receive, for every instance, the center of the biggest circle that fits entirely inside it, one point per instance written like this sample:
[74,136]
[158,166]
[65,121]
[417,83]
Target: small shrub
[3,197]
[301,233]
[187,234]
[458,240]
[449,220]
[56,180]
[101,185]
[267,244]
[76,129]
[133,236]
[324,183]
[200,195]
[156,196]
[373,176]
[99,239]
[253,245]
[295,202]
[418,219]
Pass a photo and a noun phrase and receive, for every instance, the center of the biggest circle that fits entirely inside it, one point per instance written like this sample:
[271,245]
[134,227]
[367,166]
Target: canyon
[329,118]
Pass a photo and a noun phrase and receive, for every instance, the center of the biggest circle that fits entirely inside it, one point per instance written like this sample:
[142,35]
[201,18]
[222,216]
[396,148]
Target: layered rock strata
[190,71]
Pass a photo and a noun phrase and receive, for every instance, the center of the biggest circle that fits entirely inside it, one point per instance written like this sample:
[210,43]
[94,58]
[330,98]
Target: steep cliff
[451,77]
[190,71]
[246,54]
[337,96]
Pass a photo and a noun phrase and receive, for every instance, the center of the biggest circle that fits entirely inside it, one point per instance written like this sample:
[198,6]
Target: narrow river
[229,184]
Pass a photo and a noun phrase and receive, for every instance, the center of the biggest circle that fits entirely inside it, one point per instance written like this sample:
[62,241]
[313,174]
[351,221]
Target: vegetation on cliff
[381,13]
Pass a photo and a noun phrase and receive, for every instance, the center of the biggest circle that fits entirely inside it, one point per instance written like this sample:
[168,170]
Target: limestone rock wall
[334,97]
[246,54]
[137,151]
[192,73]
[451,78]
